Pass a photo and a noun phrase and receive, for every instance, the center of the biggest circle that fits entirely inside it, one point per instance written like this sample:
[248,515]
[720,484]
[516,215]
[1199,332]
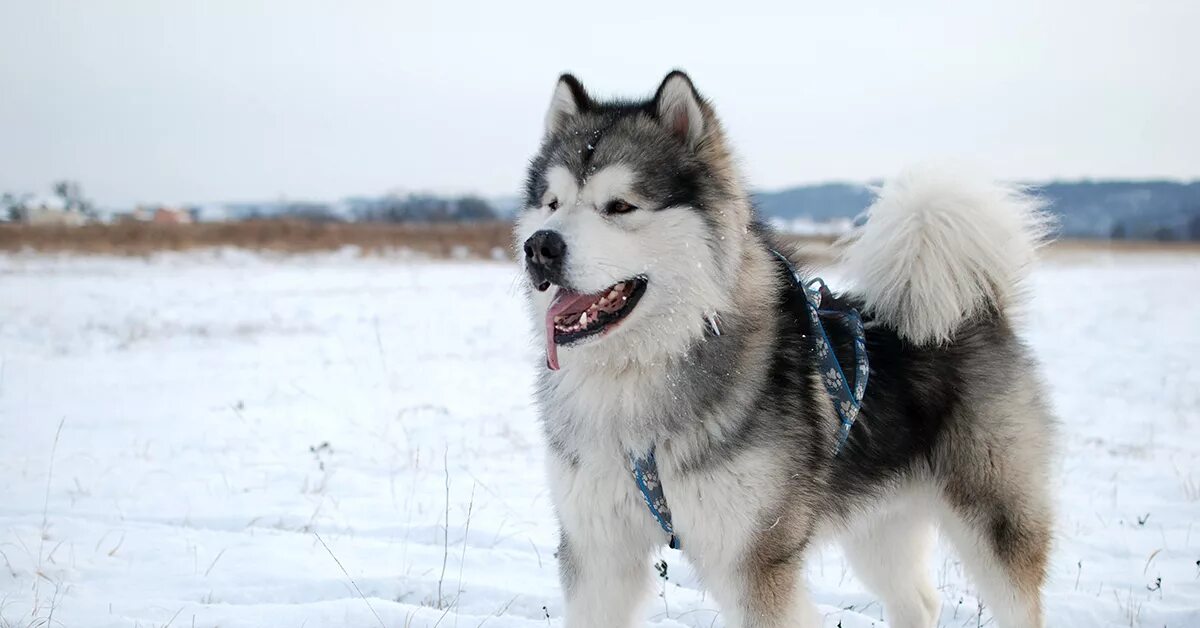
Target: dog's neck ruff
[847,400]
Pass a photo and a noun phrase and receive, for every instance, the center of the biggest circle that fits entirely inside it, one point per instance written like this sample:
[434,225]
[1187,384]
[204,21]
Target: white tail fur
[938,247]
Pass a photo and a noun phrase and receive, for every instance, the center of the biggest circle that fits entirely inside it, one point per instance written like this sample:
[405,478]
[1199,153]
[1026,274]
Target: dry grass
[284,236]
[438,240]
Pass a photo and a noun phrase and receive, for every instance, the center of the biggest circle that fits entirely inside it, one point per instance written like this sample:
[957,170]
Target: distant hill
[822,202]
[1160,210]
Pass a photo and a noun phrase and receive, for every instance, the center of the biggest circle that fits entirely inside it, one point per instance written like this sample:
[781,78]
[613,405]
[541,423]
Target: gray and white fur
[642,200]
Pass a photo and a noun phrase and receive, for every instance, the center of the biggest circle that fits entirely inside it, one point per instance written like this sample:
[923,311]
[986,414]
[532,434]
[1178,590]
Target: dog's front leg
[603,554]
[745,533]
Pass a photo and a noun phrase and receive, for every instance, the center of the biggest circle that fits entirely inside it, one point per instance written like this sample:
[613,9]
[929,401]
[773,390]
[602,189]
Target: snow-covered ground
[805,226]
[236,440]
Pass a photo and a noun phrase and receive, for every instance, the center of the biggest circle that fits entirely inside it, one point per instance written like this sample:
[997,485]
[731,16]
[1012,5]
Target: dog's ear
[678,107]
[570,99]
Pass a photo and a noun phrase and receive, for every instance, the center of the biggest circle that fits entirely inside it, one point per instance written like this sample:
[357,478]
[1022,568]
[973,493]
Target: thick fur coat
[669,323]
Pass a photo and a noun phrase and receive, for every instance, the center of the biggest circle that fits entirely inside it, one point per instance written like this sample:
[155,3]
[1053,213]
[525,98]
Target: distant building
[44,216]
[50,210]
[171,216]
[140,214]
[157,215]
[211,213]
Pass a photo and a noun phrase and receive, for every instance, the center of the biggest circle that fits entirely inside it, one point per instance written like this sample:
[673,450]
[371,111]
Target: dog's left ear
[678,107]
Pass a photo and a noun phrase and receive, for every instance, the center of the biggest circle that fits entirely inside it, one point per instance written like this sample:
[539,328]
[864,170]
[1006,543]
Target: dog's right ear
[570,99]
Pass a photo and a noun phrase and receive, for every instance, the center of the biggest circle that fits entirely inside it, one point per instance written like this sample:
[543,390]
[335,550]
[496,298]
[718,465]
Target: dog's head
[633,223]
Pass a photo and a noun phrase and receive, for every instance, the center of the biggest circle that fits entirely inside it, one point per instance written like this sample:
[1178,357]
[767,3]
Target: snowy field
[225,439]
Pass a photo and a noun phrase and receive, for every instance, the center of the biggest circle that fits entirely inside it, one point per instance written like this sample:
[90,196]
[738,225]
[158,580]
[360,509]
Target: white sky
[223,100]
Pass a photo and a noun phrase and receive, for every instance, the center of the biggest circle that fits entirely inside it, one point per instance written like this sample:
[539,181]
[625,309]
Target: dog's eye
[553,205]
[618,206]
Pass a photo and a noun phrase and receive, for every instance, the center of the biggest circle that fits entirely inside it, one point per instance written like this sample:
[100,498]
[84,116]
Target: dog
[670,323]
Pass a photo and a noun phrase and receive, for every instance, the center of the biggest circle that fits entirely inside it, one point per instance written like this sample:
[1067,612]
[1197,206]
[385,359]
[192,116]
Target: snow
[236,428]
[806,226]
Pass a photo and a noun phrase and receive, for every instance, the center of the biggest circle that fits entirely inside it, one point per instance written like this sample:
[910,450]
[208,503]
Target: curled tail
[937,248]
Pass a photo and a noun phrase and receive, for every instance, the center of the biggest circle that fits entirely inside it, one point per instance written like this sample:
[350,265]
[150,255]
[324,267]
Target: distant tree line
[423,208]
[1163,233]
[392,208]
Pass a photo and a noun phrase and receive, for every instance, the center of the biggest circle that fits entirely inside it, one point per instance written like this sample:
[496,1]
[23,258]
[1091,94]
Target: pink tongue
[565,301]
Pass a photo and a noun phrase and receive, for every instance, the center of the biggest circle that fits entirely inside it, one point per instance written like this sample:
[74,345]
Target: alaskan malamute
[671,327]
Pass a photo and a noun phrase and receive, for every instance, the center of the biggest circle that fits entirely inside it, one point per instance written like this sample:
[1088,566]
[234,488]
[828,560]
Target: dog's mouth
[573,316]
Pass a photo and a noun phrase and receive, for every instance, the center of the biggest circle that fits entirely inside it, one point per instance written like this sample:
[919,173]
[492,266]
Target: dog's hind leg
[890,555]
[1005,553]
[997,515]
[1004,547]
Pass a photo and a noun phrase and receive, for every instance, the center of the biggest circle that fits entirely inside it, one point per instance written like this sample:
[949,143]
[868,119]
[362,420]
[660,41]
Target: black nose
[545,252]
[545,248]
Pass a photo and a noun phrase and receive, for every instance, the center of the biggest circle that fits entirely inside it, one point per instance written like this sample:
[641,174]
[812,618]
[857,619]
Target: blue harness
[846,400]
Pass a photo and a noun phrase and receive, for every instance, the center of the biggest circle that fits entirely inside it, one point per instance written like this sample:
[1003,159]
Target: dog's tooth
[583,320]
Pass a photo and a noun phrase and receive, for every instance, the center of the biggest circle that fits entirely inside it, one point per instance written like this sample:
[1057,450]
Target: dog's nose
[545,248]
[545,252]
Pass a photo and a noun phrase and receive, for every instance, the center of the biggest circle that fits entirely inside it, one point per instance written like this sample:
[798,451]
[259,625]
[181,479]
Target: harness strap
[645,473]
[847,401]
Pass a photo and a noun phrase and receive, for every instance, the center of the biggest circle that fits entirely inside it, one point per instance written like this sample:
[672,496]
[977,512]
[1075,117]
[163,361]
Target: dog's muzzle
[545,258]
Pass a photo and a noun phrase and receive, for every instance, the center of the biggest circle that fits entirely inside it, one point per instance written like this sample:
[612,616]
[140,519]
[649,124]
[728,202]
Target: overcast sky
[173,101]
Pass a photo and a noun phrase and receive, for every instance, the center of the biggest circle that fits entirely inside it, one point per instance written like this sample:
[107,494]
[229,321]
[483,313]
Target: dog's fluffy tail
[938,247]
